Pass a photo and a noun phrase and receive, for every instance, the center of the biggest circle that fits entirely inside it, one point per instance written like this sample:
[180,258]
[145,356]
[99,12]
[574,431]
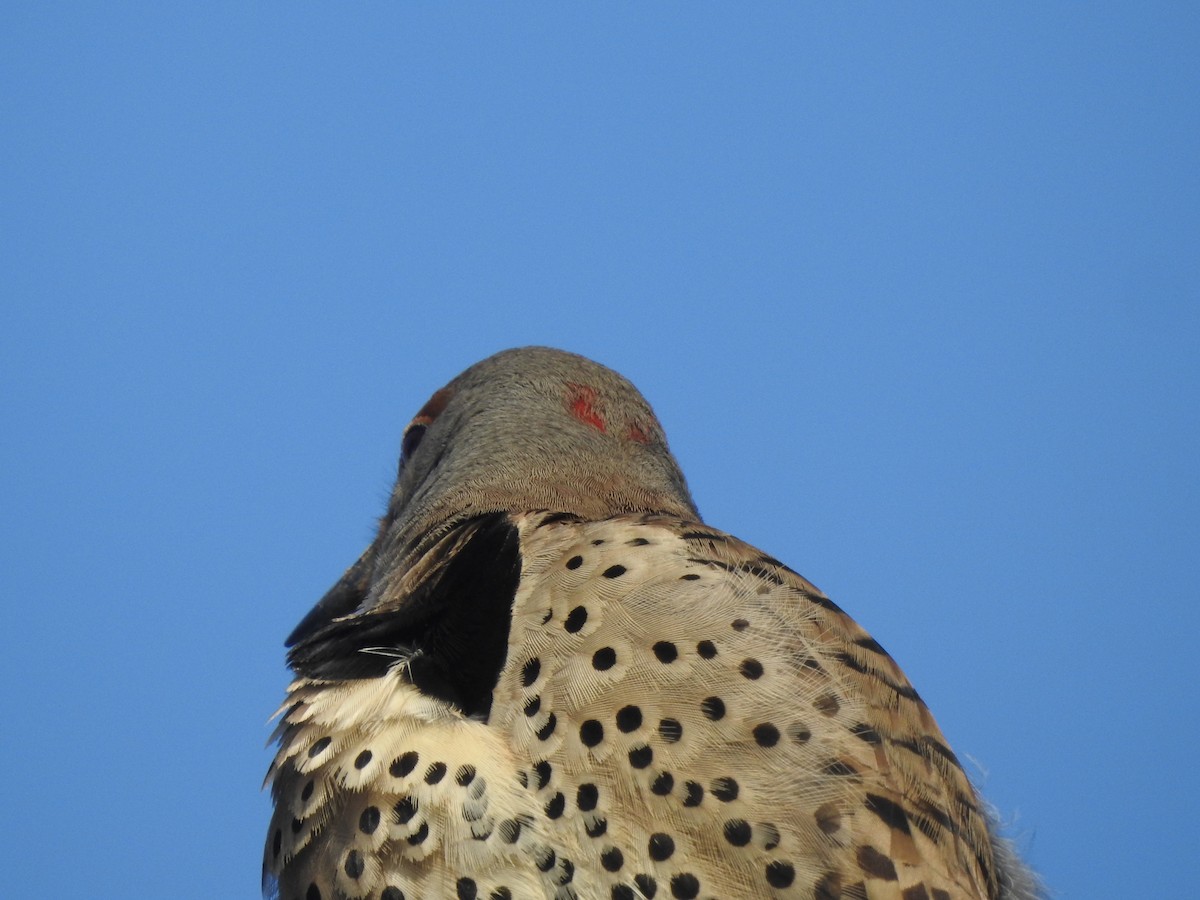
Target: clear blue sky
[916,293]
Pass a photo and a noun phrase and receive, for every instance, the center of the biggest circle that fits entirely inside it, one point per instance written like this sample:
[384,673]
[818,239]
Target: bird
[547,677]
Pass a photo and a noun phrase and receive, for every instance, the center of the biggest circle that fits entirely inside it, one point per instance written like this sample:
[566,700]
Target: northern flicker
[547,678]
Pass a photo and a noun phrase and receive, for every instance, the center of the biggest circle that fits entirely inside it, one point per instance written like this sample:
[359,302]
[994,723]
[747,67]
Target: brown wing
[915,820]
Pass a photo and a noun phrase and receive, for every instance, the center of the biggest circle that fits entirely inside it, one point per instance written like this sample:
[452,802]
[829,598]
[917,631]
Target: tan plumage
[667,711]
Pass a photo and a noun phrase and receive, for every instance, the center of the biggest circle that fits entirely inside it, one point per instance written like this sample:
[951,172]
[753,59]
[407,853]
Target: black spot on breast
[362,760]
[694,792]
[770,835]
[781,874]
[737,832]
[546,730]
[706,649]
[509,830]
[612,859]
[724,789]
[613,572]
[354,865]
[752,669]
[604,659]
[543,770]
[466,889]
[641,756]
[591,733]
[662,784]
[404,810]
[685,886]
[660,846]
[766,735]
[435,773]
[576,619]
[647,885]
[530,671]
[574,562]
[555,807]
[404,764]
[665,652]
[629,718]
[392,893]
[671,730]
[586,797]
[566,872]
[533,706]
[369,820]
[319,747]
[713,707]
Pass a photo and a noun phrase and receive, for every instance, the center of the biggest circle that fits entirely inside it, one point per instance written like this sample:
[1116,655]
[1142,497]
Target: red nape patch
[581,400]
[636,433]
[433,407]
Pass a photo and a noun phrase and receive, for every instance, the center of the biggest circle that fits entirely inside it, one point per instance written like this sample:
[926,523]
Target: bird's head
[527,429]
[534,428]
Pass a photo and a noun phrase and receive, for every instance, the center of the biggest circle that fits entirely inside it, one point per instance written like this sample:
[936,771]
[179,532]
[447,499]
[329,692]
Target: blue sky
[916,293]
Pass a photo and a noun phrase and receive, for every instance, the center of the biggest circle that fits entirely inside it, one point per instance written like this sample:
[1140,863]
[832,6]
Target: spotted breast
[547,678]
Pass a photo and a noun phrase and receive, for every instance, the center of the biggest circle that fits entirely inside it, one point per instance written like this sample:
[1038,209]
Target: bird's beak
[340,600]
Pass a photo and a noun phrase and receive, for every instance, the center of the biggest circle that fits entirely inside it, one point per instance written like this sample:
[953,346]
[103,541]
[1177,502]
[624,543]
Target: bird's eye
[421,421]
[412,439]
